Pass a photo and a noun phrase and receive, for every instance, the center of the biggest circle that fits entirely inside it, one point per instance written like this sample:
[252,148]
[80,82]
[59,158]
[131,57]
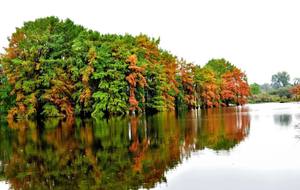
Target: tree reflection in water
[283,119]
[119,153]
[223,129]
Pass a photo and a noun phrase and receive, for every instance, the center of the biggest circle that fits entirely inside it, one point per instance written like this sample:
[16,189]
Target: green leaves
[51,111]
[28,86]
[101,96]
[55,68]
[6,100]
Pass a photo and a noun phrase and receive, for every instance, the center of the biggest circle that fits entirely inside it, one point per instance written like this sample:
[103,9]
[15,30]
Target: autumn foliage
[206,87]
[187,82]
[135,78]
[54,68]
[219,83]
[234,88]
[295,90]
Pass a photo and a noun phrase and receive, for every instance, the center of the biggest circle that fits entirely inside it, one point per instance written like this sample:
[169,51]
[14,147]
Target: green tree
[296,81]
[219,66]
[111,92]
[6,100]
[37,66]
[281,79]
[255,89]
[156,76]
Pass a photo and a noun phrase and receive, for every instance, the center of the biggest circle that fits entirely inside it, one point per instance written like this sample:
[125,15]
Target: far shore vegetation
[281,89]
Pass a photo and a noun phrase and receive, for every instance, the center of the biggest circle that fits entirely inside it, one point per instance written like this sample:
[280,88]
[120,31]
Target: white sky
[260,36]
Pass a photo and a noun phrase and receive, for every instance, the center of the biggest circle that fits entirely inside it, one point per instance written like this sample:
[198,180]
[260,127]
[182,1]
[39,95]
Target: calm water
[251,147]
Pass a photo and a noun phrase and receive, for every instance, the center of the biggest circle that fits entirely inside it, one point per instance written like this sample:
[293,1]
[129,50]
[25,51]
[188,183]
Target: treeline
[54,68]
[281,89]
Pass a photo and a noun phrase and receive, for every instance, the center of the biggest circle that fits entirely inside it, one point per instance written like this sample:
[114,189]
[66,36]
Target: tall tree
[170,90]
[231,81]
[135,78]
[281,79]
[235,88]
[110,93]
[36,53]
[206,87]
[187,82]
[149,53]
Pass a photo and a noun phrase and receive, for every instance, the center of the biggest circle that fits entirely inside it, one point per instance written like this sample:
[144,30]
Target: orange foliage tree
[187,81]
[135,78]
[234,87]
[295,90]
[170,89]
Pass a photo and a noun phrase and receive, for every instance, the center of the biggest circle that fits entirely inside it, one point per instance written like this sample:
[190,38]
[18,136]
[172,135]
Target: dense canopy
[55,68]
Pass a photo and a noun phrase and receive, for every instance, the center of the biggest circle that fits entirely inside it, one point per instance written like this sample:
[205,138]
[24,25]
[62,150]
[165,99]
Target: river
[251,147]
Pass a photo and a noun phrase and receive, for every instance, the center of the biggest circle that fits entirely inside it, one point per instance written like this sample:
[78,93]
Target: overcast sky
[261,37]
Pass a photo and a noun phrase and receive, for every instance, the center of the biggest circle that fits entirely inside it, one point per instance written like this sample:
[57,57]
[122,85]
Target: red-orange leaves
[295,90]
[135,77]
[234,87]
[209,95]
[228,88]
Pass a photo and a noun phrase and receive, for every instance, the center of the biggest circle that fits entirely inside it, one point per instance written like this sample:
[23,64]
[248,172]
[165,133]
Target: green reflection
[119,153]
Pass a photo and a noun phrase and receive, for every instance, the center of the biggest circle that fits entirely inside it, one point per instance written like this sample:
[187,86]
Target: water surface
[250,147]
